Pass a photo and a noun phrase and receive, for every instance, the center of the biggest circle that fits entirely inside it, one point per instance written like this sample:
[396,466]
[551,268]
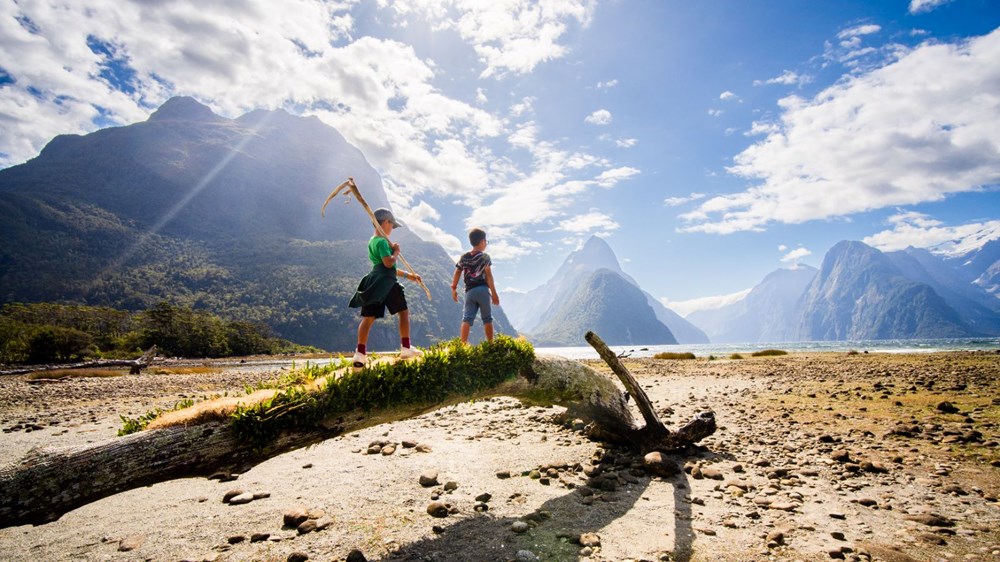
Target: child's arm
[454,284]
[493,289]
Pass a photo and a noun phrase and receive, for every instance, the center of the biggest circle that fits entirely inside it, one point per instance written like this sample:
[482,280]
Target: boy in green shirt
[379,290]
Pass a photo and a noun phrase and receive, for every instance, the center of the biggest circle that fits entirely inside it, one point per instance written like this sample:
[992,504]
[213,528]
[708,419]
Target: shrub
[736,356]
[769,352]
[673,355]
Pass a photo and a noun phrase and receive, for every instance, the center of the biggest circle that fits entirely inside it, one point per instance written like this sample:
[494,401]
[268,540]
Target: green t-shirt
[379,248]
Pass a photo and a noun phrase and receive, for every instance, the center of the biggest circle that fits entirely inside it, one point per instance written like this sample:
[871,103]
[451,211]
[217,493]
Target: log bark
[46,483]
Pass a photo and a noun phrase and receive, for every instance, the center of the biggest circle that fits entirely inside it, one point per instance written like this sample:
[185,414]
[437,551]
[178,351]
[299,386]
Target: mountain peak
[183,107]
[595,254]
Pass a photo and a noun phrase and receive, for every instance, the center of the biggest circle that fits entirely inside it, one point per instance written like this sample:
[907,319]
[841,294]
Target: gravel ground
[818,457]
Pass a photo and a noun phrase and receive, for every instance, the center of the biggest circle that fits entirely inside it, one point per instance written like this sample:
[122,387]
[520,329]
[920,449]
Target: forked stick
[352,189]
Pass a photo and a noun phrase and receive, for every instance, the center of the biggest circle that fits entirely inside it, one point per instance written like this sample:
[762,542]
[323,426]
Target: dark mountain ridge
[212,213]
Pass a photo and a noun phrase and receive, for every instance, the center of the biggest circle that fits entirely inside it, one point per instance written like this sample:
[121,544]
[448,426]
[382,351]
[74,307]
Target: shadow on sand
[556,527]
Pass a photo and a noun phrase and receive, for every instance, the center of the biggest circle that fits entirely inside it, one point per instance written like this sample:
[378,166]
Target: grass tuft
[674,355]
[769,353]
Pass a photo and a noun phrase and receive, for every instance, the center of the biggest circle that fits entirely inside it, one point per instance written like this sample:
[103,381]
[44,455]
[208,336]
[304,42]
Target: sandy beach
[868,456]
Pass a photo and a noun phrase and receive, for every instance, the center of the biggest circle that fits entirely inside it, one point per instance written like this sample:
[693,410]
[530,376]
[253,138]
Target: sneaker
[360,359]
[410,353]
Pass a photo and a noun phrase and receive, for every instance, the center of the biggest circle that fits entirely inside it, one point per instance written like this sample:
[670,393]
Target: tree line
[48,333]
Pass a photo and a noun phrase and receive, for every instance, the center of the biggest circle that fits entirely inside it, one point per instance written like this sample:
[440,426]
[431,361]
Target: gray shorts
[478,298]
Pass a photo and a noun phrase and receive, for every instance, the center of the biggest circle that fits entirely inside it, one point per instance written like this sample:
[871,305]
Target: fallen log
[46,483]
[135,365]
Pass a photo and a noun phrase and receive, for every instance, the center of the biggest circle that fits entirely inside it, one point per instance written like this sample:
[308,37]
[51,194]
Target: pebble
[438,509]
[429,478]
[519,527]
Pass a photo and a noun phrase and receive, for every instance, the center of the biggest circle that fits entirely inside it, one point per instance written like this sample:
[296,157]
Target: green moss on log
[447,369]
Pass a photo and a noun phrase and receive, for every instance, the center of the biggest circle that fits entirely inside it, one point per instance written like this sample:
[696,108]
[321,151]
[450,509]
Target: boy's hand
[454,294]
[415,278]
[496,299]
[395,248]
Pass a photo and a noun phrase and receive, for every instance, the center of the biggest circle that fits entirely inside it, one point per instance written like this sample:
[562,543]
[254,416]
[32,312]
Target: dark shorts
[395,301]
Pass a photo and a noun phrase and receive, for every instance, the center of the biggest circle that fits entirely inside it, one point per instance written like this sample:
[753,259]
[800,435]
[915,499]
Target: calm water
[722,350]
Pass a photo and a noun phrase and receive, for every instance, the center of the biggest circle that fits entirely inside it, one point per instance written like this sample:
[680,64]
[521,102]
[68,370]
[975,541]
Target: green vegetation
[133,425]
[672,355]
[736,356]
[48,333]
[769,352]
[447,369]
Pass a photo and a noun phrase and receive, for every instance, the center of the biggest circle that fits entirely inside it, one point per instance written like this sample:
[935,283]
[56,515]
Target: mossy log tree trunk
[46,483]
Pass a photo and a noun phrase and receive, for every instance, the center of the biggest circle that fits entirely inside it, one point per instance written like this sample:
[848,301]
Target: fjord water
[724,350]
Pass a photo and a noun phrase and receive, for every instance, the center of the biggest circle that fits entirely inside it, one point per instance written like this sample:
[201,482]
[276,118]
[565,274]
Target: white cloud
[610,178]
[782,247]
[686,307]
[715,112]
[859,31]
[795,255]
[593,221]
[922,231]
[921,6]
[607,85]
[787,78]
[626,143]
[513,36]
[301,55]
[914,130]
[677,201]
[420,219]
[728,96]
[599,117]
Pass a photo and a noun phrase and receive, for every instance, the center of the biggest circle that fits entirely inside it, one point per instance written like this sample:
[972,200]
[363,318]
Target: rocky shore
[833,456]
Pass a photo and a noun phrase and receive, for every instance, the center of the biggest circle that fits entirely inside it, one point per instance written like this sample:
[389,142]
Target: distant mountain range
[590,291]
[212,213]
[861,293]
[223,215]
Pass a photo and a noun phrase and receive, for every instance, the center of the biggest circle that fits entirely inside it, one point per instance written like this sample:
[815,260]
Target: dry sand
[818,457]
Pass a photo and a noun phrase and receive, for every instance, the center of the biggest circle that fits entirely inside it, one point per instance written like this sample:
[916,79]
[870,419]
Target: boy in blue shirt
[379,290]
[479,288]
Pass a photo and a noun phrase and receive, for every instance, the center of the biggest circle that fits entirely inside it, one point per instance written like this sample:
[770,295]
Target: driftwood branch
[654,436]
[47,483]
[135,365]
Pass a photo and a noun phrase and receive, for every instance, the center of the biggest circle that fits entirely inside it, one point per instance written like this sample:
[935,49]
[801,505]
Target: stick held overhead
[352,189]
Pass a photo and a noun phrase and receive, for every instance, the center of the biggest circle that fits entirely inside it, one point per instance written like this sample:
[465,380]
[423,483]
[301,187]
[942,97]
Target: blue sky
[709,143]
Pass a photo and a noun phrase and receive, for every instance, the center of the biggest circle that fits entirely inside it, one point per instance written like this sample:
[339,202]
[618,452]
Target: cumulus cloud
[510,37]
[728,96]
[626,143]
[677,201]
[795,255]
[787,78]
[923,125]
[922,6]
[607,85]
[923,231]
[73,69]
[599,117]
[592,222]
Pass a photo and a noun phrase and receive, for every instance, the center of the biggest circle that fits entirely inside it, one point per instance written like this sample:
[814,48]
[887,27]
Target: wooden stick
[641,398]
[353,187]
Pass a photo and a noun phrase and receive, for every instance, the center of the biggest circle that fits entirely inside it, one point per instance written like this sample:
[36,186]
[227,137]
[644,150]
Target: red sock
[362,348]
[406,342]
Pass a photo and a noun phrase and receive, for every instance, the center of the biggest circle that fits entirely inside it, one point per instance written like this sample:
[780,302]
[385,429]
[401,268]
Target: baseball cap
[383,214]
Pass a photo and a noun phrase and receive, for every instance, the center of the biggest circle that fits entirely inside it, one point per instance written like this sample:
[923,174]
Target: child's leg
[404,327]
[488,328]
[363,329]
[465,332]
